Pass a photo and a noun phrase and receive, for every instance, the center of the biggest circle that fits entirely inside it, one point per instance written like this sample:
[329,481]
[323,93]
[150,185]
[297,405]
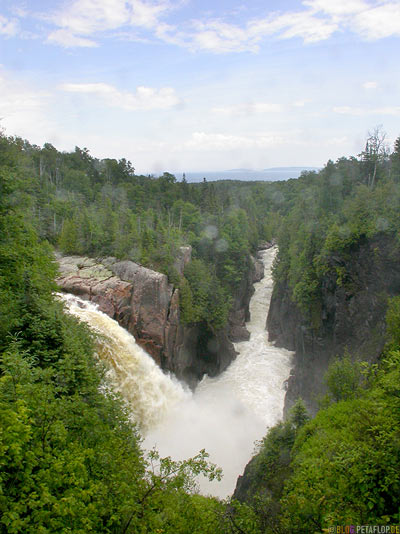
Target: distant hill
[240,170]
[270,175]
[291,169]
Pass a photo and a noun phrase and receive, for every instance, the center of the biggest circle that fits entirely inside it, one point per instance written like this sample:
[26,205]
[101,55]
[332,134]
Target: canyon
[143,302]
[226,414]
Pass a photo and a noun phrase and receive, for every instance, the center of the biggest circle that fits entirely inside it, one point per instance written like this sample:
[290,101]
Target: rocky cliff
[143,302]
[352,315]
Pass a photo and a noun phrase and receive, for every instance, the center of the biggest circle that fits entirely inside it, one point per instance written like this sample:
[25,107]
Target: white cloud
[249,108]
[337,7]
[85,17]
[88,18]
[379,22]
[220,37]
[348,110]
[388,110]
[337,141]
[317,21]
[20,11]
[68,40]
[144,98]
[8,27]
[303,24]
[370,85]
[301,103]
[212,141]
[84,21]
[23,110]
[146,14]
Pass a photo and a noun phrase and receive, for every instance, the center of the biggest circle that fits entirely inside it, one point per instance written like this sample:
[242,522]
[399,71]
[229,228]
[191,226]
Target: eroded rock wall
[352,315]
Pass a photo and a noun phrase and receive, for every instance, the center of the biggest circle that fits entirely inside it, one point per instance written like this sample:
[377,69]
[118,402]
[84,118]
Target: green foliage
[340,238]
[268,471]
[393,321]
[240,517]
[329,216]
[343,378]
[68,240]
[233,249]
[298,415]
[202,298]
[73,463]
[342,467]
[346,466]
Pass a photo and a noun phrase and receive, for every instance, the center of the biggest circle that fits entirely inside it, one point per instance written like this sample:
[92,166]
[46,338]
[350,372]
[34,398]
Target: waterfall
[149,393]
[225,415]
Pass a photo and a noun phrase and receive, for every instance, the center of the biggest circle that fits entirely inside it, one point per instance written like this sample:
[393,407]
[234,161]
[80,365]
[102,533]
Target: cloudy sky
[191,85]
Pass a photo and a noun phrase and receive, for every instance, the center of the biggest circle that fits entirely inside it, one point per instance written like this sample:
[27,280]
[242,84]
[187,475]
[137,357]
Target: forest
[71,458]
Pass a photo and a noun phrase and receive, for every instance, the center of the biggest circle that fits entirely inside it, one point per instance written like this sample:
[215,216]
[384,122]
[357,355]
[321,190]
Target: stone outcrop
[147,314]
[143,302]
[352,316]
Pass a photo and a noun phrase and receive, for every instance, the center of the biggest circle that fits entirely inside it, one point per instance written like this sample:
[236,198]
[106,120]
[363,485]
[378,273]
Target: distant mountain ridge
[240,170]
[289,169]
[273,174]
[277,169]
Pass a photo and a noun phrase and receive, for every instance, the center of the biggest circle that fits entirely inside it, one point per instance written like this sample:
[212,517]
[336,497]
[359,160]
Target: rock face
[147,314]
[243,490]
[143,302]
[353,316]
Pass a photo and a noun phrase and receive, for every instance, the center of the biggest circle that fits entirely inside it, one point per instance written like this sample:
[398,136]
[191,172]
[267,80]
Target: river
[226,415]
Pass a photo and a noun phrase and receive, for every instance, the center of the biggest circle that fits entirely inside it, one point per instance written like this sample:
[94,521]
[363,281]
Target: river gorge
[225,414]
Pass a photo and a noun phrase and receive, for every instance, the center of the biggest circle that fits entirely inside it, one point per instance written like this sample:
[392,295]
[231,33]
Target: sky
[193,85]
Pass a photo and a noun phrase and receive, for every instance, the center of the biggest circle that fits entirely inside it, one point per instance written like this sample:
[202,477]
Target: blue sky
[189,85]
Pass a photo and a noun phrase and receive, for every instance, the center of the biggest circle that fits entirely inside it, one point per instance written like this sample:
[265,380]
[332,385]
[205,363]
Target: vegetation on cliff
[330,214]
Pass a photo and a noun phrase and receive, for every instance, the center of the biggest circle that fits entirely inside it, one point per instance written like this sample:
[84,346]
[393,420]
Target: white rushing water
[225,415]
[149,392]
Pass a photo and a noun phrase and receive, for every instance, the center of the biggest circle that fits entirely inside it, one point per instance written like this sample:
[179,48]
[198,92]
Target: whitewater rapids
[226,415]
